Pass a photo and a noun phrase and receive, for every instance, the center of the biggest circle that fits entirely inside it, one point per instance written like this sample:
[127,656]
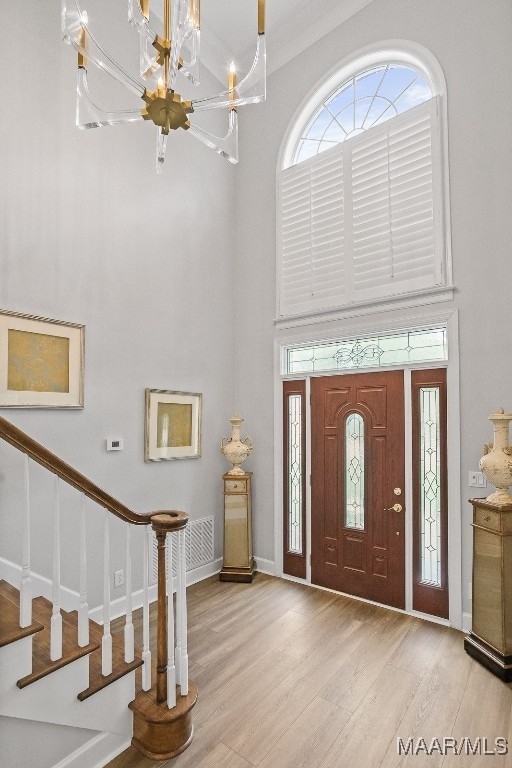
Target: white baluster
[171,668]
[56,620]
[181,609]
[179,629]
[83,609]
[129,641]
[146,653]
[106,642]
[26,581]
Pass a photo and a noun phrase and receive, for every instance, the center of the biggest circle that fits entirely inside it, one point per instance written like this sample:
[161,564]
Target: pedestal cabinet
[490,641]
[238,562]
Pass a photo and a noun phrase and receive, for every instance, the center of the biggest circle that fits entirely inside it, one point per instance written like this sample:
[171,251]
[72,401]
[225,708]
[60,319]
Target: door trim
[310,334]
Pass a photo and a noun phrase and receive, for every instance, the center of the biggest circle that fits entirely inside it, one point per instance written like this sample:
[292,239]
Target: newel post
[162,723]
[162,524]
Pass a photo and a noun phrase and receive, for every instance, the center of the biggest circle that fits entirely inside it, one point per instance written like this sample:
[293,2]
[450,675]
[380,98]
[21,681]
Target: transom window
[364,101]
[380,351]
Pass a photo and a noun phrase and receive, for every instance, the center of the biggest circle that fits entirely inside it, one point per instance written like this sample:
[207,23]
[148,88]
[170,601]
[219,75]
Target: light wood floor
[295,677]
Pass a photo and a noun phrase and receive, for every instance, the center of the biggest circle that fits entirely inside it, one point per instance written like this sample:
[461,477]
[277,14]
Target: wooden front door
[357,462]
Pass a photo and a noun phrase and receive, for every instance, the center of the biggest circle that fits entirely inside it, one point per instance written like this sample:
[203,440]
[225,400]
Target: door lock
[397,491]
[394,508]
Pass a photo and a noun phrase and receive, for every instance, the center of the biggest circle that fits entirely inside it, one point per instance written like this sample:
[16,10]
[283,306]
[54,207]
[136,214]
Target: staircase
[66,676]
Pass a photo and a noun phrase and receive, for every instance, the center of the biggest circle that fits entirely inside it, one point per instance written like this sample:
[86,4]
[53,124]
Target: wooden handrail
[47,459]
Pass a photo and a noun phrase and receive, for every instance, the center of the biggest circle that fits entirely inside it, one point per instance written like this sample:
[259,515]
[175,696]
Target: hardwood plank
[309,738]
[351,682]
[325,623]
[434,708]
[417,649]
[252,645]
[132,758]
[368,734]
[485,711]
[255,734]
[223,757]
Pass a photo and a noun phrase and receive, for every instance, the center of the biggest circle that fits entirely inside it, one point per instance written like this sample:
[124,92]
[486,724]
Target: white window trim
[304,336]
[390,51]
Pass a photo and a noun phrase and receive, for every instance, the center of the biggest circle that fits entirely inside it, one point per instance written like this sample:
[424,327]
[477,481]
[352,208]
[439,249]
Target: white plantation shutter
[312,234]
[364,220]
[393,206]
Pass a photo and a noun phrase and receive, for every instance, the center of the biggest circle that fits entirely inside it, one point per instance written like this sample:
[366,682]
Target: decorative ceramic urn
[496,463]
[236,450]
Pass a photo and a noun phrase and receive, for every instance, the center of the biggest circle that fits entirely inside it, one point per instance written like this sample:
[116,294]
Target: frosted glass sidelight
[430,486]
[295,474]
[354,471]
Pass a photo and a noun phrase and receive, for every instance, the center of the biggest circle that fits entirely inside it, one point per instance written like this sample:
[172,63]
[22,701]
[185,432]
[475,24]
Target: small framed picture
[41,362]
[172,425]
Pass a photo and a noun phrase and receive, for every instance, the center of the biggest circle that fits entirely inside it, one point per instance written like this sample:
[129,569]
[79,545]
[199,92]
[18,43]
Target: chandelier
[169,60]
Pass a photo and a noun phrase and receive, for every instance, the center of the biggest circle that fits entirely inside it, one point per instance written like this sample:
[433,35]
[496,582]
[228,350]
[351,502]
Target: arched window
[361,203]
[363,101]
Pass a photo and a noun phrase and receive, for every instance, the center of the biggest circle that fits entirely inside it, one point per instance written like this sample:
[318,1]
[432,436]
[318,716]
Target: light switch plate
[477,479]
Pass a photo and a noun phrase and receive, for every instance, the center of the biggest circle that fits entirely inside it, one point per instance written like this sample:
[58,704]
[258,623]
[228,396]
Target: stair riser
[53,700]
[15,662]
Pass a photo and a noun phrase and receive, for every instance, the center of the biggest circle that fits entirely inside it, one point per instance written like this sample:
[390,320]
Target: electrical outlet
[118,578]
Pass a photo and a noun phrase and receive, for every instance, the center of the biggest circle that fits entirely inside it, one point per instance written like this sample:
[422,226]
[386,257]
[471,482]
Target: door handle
[394,508]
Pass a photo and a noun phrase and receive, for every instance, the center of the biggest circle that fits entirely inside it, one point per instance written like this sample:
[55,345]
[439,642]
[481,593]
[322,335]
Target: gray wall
[90,234]
[471,41]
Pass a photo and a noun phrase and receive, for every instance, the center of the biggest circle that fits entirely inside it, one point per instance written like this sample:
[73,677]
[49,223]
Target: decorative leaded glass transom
[354,471]
[430,486]
[295,474]
[366,100]
[404,348]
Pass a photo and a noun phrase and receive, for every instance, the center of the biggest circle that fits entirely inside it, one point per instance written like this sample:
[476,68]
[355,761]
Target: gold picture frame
[41,362]
[172,428]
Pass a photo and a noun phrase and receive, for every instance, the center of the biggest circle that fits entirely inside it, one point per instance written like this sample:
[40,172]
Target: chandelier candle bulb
[261,17]
[232,83]
[82,42]
[195,13]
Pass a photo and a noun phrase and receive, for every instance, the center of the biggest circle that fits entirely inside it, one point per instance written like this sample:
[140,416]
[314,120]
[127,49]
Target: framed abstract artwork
[41,362]
[172,425]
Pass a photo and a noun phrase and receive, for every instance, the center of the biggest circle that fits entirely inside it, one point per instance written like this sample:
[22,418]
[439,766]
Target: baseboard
[265,566]
[97,752]
[467,620]
[204,571]
[41,586]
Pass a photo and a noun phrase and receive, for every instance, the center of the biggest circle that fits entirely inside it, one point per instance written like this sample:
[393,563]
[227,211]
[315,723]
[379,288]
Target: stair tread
[10,629]
[42,665]
[120,667]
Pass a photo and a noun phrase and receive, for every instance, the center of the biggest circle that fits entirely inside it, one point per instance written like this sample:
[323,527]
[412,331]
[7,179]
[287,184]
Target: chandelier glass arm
[91,115]
[227,145]
[76,32]
[250,90]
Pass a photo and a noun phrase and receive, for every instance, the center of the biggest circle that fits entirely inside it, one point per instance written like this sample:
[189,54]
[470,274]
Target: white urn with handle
[235,449]
[496,463]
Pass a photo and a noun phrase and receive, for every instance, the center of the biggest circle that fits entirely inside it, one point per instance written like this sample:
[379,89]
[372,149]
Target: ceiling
[291,27]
